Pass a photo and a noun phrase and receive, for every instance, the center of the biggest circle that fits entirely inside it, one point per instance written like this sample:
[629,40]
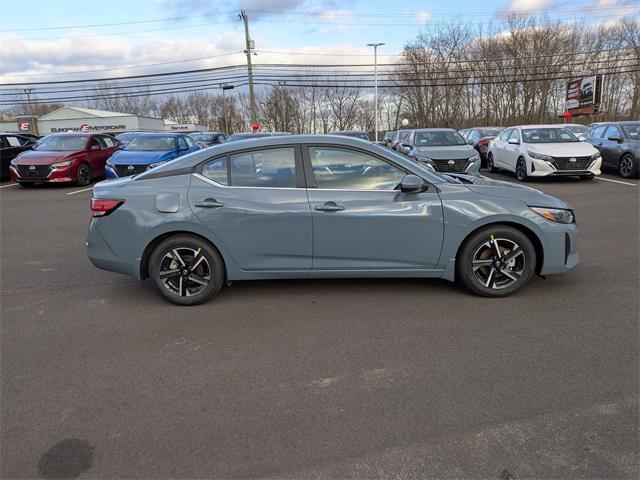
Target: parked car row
[526,150]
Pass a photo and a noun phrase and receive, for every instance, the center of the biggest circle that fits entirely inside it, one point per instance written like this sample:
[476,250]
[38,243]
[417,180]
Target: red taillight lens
[484,142]
[101,207]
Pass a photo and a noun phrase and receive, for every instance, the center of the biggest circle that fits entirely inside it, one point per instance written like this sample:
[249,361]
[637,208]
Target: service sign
[583,92]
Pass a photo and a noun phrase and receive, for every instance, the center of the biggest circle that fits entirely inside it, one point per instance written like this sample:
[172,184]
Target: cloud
[523,6]
[423,17]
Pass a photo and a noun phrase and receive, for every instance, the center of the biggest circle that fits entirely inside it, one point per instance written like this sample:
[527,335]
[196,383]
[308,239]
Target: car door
[255,204]
[498,148]
[611,150]
[511,151]
[361,221]
[595,138]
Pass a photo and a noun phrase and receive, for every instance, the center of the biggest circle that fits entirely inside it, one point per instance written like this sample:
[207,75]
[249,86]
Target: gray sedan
[318,207]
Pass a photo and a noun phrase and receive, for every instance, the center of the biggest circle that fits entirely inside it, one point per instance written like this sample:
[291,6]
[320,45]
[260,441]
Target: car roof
[347,131]
[435,130]
[550,125]
[161,134]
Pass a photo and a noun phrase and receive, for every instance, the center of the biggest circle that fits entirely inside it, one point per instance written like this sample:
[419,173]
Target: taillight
[483,142]
[101,207]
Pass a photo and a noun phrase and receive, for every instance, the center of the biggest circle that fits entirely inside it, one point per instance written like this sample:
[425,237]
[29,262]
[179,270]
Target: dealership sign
[583,92]
[24,126]
[89,128]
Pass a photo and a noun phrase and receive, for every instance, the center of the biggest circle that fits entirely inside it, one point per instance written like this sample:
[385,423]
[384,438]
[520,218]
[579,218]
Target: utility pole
[375,74]
[32,124]
[225,87]
[250,45]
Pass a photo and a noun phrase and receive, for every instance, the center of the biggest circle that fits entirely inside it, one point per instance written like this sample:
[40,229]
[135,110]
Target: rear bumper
[102,255]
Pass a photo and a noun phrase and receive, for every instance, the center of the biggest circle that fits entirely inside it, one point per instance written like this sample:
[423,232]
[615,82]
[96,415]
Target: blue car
[146,151]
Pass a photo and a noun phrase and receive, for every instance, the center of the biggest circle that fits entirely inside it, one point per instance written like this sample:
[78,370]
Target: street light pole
[375,74]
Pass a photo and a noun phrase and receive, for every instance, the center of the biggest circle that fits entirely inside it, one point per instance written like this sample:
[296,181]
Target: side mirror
[413,184]
[513,141]
[94,148]
[405,149]
[614,138]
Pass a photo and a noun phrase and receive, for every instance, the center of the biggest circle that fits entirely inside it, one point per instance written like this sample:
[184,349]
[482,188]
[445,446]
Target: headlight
[157,164]
[558,215]
[475,158]
[540,156]
[64,164]
[595,156]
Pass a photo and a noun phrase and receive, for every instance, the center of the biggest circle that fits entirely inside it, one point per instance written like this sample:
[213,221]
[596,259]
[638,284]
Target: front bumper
[542,168]
[52,175]
[561,252]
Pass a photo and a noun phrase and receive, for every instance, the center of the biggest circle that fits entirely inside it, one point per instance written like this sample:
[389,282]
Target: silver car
[318,207]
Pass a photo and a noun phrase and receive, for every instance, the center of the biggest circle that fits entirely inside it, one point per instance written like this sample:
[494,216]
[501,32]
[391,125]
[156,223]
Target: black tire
[522,267]
[628,166]
[83,175]
[167,285]
[491,168]
[521,170]
[587,177]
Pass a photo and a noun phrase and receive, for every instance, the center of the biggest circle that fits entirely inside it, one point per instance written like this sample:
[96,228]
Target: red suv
[64,157]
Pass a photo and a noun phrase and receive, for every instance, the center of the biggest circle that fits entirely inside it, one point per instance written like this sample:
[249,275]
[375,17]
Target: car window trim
[311,180]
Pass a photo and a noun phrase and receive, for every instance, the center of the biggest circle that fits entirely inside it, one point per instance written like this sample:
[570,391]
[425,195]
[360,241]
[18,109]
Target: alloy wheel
[84,177]
[184,271]
[521,170]
[498,263]
[626,166]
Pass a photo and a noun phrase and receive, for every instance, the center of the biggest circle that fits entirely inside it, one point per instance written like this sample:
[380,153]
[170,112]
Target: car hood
[568,149]
[35,157]
[127,157]
[452,152]
[497,188]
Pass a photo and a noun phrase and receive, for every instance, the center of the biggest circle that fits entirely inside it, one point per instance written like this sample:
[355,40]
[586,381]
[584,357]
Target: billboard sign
[583,92]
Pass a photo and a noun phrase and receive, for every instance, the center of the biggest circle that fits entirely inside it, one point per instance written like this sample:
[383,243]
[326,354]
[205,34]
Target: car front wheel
[83,175]
[521,170]
[628,167]
[496,261]
[187,270]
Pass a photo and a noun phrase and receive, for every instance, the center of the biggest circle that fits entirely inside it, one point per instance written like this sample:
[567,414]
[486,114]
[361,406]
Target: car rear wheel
[83,175]
[521,170]
[490,165]
[187,270]
[628,167]
[496,261]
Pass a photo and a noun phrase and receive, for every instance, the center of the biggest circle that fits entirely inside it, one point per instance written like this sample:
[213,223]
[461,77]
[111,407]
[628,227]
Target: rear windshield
[126,136]
[145,143]
[489,132]
[547,135]
[438,139]
[62,143]
[632,131]
[202,137]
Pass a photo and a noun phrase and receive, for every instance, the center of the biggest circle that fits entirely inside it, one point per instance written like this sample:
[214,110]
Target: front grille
[565,163]
[33,171]
[126,170]
[445,166]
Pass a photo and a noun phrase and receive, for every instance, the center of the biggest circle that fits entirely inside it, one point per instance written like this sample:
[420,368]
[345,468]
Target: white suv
[542,150]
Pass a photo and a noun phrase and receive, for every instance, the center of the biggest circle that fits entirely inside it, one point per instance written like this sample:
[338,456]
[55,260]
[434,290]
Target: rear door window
[273,168]
[216,170]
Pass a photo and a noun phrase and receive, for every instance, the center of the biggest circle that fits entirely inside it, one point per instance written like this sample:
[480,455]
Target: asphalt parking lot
[102,378]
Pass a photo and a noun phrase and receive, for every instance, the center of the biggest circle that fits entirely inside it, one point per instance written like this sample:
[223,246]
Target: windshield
[154,143]
[576,128]
[125,137]
[62,143]
[489,132]
[547,135]
[438,139]
[632,131]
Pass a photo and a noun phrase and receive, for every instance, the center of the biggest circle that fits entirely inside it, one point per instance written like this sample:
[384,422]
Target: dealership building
[76,119]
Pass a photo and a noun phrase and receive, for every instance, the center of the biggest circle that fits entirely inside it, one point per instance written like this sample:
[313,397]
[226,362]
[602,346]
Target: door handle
[209,203]
[329,207]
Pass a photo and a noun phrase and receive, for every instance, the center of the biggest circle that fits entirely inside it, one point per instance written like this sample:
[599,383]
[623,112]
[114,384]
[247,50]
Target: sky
[189,34]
